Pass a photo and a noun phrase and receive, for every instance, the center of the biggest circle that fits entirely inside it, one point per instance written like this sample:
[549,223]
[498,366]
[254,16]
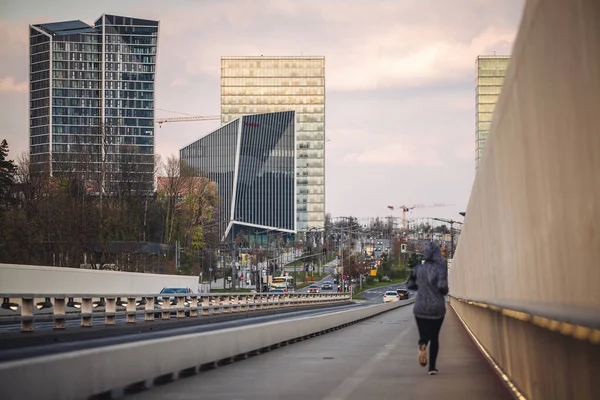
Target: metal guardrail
[578,322]
[88,306]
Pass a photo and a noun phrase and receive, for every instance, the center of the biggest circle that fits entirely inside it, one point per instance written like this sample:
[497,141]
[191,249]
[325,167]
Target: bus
[283,282]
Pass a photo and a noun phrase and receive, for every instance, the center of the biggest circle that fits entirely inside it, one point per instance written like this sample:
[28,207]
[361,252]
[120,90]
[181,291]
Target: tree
[8,170]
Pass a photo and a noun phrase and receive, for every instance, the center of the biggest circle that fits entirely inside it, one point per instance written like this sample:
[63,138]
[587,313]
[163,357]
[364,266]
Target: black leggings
[429,332]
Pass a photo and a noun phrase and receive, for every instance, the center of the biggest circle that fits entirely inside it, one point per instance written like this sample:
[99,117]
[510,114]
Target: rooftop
[67,28]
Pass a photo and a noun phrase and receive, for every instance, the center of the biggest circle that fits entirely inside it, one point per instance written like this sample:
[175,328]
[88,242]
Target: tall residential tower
[92,101]
[491,71]
[252,85]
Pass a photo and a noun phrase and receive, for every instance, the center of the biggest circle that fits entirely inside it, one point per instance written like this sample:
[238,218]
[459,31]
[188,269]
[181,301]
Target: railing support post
[27,314]
[59,314]
[86,312]
[131,311]
[149,308]
[110,314]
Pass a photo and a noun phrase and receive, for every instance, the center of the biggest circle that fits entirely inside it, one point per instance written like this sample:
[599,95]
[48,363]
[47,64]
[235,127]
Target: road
[71,323]
[329,268]
[374,359]
[13,353]
[376,294]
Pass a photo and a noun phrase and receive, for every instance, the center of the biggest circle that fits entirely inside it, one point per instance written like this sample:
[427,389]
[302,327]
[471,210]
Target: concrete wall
[532,229]
[37,279]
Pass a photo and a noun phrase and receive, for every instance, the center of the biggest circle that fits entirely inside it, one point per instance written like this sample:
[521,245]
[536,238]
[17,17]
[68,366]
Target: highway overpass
[524,277]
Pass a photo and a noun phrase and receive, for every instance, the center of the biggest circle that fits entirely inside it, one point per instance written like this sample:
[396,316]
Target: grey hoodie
[431,279]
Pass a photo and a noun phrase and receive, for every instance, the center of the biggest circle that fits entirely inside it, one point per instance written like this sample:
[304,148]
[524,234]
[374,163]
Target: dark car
[326,286]
[403,293]
[336,280]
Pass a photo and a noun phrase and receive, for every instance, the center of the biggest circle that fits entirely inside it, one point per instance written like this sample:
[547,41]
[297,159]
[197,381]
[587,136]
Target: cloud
[396,154]
[179,81]
[367,44]
[399,79]
[8,85]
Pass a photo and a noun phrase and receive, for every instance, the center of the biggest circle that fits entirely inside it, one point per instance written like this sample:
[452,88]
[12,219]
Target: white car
[390,296]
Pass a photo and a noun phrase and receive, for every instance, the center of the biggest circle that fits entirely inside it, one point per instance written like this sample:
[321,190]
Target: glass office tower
[491,71]
[92,101]
[268,84]
[252,160]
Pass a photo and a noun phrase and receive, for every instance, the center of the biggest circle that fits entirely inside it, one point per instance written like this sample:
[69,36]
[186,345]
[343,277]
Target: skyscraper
[252,160]
[268,84]
[92,100]
[491,71]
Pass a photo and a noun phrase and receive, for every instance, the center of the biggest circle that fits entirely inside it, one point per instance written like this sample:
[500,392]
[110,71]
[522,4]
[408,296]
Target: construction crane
[161,121]
[406,209]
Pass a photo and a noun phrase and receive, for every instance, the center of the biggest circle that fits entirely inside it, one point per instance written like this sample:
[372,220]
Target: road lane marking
[349,385]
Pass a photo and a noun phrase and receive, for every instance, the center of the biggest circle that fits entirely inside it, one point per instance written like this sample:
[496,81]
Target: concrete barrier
[84,373]
[16,278]
[531,229]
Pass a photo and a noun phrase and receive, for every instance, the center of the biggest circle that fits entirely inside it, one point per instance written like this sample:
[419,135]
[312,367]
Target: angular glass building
[261,84]
[491,71]
[92,100]
[252,160]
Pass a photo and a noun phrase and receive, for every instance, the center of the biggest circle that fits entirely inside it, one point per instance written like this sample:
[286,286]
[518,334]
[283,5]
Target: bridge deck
[375,359]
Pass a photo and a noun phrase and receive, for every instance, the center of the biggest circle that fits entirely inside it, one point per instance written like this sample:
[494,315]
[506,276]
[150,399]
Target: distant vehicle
[327,286]
[170,294]
[174,291]
[313,289]
[336,280]
[391,296]
[283,282]
[403,294]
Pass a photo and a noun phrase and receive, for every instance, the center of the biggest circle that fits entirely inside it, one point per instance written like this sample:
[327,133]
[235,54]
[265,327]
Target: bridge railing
[26,308]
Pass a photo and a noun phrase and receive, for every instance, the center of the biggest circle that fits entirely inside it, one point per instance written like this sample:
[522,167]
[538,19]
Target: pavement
[374,359]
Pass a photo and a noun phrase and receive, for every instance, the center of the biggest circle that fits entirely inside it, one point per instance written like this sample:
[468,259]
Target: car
[313,289]
[336,281]
[403,293]
[390,296]
[174,291]
[327,285]
[170,294]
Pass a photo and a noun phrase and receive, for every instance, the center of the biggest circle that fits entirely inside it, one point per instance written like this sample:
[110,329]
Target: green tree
[7,174]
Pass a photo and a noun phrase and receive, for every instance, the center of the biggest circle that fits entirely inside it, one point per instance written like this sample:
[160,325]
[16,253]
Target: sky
[400,82]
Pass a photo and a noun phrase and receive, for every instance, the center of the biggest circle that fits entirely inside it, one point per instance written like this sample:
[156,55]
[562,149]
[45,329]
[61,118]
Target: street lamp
[451,222]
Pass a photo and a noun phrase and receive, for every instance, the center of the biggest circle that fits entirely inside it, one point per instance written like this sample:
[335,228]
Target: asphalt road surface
[60,347]
[374,359]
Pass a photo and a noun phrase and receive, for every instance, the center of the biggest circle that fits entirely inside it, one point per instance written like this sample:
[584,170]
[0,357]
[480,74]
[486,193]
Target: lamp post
[451,222]
[258,270]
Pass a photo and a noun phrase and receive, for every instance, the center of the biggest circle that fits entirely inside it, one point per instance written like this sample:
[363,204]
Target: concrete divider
[16,278]
[84,373]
